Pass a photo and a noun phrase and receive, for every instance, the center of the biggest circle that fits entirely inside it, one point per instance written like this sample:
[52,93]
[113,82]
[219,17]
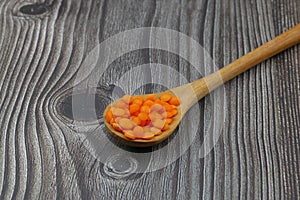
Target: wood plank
[43,153]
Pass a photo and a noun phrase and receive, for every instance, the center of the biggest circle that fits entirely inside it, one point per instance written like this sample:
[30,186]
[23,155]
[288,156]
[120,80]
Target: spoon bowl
[146,143]
[190,93]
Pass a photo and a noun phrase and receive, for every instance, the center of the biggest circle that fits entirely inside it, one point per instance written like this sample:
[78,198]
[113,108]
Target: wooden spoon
[203,86]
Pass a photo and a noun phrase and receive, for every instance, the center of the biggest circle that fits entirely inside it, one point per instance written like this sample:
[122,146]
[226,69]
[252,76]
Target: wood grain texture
[42,155]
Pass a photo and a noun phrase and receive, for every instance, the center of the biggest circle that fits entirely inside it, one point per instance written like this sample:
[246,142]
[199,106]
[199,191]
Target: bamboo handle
[284,41]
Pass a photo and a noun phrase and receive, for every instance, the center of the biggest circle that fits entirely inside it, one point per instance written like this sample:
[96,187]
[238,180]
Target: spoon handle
[284,41]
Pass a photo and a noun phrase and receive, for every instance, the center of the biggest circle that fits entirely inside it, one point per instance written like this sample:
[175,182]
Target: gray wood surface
[43,154]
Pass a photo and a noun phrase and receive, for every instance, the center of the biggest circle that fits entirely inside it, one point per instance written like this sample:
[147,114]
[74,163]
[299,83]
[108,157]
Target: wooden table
[46,152]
